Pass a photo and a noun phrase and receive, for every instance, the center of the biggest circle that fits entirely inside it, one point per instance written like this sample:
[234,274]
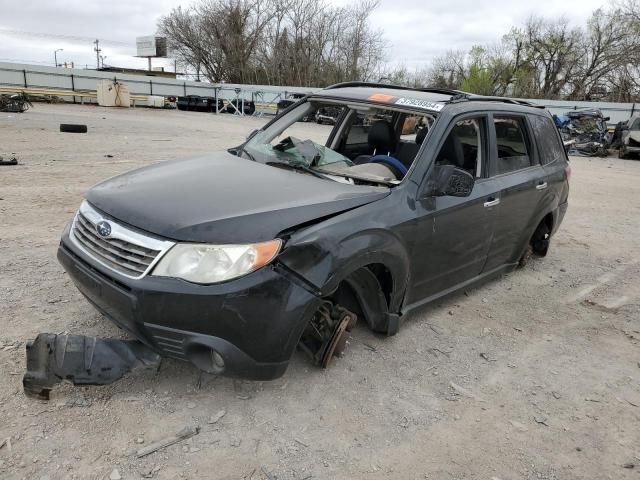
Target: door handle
[541,186]
[492,202]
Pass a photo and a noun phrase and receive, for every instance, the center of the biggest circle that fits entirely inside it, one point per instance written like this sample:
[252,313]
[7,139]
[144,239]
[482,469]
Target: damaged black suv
[233,259]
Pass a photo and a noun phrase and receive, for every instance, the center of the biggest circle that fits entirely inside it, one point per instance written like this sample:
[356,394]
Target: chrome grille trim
[124,251]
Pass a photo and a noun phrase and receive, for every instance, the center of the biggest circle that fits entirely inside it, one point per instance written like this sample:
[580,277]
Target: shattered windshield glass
[340,142]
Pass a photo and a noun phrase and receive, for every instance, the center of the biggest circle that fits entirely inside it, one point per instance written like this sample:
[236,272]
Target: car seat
[452,152]
[407,150]
[382,139]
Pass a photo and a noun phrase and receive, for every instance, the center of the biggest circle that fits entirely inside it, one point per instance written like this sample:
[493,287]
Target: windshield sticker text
[424,104]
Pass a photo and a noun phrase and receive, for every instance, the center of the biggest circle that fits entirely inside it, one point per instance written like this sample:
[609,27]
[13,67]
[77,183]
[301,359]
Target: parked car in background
[630,138]
[233,259]
[285,103]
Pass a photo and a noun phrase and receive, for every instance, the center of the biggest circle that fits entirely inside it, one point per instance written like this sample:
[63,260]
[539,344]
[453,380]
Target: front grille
[124,251]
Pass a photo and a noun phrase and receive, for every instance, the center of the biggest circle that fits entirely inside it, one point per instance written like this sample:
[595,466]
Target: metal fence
[35,76]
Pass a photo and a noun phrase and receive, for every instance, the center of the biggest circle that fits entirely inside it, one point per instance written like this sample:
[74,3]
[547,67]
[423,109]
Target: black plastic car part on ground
[52,359]
[233,259]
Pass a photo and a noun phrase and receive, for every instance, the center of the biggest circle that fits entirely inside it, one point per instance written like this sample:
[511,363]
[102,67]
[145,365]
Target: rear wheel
[541,239]
[539,243]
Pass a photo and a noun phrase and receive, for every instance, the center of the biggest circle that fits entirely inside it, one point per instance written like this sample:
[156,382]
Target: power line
[71,38]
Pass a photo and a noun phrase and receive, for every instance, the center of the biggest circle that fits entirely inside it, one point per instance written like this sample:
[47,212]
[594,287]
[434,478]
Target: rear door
[514,165]
[552,158]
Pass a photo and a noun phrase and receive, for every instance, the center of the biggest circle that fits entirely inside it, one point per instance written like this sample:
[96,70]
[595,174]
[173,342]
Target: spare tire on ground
[73,128]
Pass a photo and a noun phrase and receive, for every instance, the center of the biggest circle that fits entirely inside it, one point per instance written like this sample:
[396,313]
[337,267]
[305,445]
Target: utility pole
[97,50]
[55,55]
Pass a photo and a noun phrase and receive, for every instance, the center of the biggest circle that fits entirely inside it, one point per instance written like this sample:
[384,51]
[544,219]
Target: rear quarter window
[549,147]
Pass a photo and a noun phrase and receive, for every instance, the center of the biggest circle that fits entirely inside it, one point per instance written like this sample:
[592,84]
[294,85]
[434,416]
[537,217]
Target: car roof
[420,99]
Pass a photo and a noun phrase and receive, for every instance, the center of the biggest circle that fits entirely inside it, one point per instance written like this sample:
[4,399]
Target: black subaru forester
[233,259]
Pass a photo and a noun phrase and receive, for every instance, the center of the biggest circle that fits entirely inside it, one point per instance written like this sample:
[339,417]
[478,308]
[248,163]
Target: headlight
[204,263]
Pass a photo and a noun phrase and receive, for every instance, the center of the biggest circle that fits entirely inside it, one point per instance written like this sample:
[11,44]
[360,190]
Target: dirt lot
[533,376]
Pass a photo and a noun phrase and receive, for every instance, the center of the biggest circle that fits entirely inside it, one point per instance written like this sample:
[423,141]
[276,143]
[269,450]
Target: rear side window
[547,139]
[514,152]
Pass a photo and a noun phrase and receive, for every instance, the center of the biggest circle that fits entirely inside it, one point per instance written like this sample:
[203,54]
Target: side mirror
[606,119]
[447,180]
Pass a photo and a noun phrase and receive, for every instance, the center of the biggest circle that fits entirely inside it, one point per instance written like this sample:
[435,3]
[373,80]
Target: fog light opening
[217,362]
[206,359]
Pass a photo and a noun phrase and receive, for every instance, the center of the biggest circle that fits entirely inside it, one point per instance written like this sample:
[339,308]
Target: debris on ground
[464,392]
[6,442]
[73,128]
[81,360]
[370,347]
[486,358]
[541,421]
[215,418]
[10,161]
[115,475]
[15,102]
[183,434]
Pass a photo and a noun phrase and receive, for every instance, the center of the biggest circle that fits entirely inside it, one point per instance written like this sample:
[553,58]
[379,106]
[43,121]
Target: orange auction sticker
[381,97]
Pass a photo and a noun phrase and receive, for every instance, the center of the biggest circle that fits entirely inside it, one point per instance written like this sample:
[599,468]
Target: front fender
[326,260]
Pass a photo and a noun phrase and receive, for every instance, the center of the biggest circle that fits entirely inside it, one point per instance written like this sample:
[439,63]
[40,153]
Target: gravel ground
[533,376]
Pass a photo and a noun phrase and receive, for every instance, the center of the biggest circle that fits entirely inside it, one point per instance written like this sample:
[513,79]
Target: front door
[453,234]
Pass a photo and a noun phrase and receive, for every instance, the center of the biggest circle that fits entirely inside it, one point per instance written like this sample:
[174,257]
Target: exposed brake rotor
[327,335]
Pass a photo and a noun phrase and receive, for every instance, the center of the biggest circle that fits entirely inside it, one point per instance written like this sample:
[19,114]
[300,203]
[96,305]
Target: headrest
[382,137]
[422,133]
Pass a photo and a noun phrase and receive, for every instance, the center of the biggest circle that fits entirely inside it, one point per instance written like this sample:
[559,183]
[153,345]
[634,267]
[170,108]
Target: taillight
[567,172]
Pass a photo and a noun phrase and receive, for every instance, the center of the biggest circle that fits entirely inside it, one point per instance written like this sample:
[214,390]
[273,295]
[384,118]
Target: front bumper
[630,149]
[253,323]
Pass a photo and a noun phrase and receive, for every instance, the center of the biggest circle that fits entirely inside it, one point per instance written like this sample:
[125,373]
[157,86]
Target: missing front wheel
[327,334]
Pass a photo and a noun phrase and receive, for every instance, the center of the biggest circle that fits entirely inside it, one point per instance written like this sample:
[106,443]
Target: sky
[416,30]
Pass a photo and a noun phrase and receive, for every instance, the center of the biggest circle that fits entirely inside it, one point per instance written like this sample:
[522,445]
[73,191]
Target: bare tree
[291,42]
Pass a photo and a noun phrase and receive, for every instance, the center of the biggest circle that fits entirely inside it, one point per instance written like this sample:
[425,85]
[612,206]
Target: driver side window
[464,147]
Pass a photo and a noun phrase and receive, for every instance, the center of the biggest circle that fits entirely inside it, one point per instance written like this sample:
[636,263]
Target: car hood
[221,198]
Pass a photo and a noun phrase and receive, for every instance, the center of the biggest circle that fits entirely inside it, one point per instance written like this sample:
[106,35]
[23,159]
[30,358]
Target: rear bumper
[253,323]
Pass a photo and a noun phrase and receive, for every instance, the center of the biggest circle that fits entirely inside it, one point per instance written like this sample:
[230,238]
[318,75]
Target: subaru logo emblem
[103,228]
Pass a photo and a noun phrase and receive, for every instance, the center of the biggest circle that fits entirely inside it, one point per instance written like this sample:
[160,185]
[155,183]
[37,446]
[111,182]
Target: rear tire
[541,239]
[538,245]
